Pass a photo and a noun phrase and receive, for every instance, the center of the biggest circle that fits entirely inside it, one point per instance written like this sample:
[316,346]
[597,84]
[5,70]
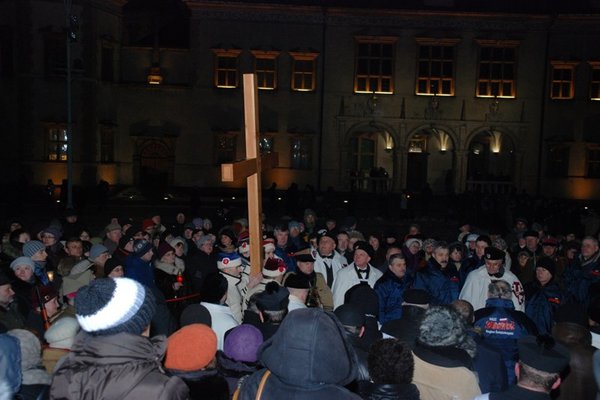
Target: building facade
[372,99]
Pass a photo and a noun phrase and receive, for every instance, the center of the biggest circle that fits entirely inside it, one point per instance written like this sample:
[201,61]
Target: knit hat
[442,326]
[97,250]
[61,333]
[273,298]
[195,314]
[269,244]
[242,343]
[177,240]
[543,353]
[54,231]
[114,305]
[164,248]
[213,288]
[229,260]
[112,227]
[294,225]
[203,239]
[191,348]
[141,247]
[229,233]
[32,247]
[274,267]
[22,261]
[410,241]
[147,224]
[111,264]
[548,264]
[364,246]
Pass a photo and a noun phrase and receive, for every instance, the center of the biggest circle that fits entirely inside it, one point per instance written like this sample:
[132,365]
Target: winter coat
[347,277]
[309,358]
[234,300]
[10,357]
[579,383]
[204,384]
[198,266]
[476,288]
[388,391]
[390,290]
[35,380]
[501,327]
[121,366]
[222,320]
[489,365]
[140,270]
[542,302]
[469,265]
[584,273]
[284,254]
[442,289]
[233,370]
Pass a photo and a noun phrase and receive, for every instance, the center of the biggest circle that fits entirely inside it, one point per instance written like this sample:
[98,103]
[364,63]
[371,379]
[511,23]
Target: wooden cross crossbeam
[251,168]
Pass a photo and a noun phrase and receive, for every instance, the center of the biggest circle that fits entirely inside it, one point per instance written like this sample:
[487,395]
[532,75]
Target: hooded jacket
[309,358]
[121,366]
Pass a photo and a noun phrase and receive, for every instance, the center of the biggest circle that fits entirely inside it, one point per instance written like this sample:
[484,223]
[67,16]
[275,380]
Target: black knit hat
[109,306]
[548,264]
[492,253]
[273,298]
[364,246]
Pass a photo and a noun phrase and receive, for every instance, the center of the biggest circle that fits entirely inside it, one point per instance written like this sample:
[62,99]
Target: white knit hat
[61,333]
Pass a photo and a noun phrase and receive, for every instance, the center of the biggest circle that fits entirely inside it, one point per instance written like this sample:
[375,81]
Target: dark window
[558,161]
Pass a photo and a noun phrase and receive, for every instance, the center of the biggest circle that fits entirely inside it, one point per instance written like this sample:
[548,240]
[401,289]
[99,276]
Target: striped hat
[114,305]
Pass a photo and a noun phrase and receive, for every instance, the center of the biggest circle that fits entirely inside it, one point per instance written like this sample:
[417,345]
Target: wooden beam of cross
[251,168]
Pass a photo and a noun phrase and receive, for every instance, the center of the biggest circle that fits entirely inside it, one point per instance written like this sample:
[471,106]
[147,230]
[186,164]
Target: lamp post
[71,29]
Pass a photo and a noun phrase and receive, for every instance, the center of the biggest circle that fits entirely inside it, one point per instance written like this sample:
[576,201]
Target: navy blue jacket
[440,287]
[584,274]
[501,327]
[390,290]
[541,303]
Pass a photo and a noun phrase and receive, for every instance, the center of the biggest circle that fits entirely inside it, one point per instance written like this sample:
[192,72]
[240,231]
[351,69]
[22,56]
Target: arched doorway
[370,159]
[491,162]
[430,160]
[154,165]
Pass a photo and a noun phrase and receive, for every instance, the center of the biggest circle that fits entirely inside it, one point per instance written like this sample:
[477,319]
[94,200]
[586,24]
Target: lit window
[593,162]
[435,73]
[374,65]
[226,75]
[304,71]
[265,67]
[225,147]
[562,80]
[558,161]
[56,142]
[301,150]
[595,81]
[266,144]
[497,69]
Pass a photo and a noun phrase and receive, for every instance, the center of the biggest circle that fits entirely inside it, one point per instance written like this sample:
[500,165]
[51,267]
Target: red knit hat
[191,348]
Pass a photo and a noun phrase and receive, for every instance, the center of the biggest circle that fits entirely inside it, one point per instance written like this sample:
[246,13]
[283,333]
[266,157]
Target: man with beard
[442,288]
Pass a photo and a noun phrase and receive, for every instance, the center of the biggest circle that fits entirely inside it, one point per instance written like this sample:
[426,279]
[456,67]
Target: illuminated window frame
[304,80]
[226,76]
[370,74]
[562,85]
[427,83]
[497,85]
[595,81]
[265,68]
[56,142]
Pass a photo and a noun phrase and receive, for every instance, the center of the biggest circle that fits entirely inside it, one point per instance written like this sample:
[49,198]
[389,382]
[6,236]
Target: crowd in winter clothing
[177,310]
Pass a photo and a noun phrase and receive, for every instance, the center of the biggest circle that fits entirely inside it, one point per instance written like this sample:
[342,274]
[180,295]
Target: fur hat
[61,333]
[22,261]
[114,305]
[141,247]
[274,267]
[273,298]
[96,250]
[32,247]
[191,348]
[229,260]
[443,327]
[164,248]
[242,343]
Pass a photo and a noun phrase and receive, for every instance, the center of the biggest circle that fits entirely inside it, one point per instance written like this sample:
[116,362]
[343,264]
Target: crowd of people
[173,310]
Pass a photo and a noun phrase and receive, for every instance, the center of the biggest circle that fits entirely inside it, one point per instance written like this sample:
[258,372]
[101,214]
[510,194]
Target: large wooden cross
[251,168]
